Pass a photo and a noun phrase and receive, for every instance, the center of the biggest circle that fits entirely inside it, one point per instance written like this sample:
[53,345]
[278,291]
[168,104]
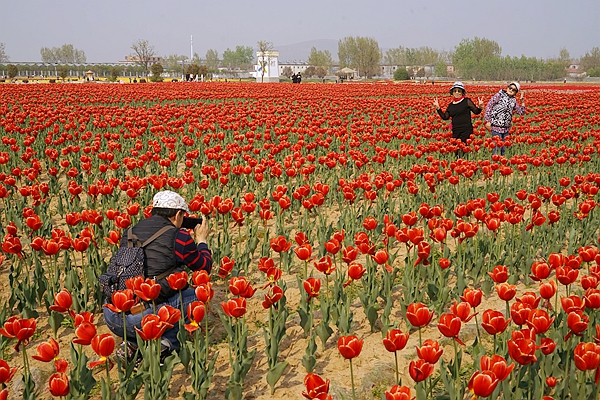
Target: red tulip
[280,244]
[301,239]
[332,246]
[547,345]
[178,280]
[84,316]
[47,351]
[6,373]
[195,311]
[20,328]
[152,327]
[312,287]
[494,322]
[303,252]
[418,314]
[506,291]
[274,294]
[550,382]
[462,310]
[430,351]
[235,307]
[200,277]
[58,384]
[444,263]
[472,296]
[325,265]
[81,244]
[499,274]
[169,315]
[483,383]
[370,223]
[587,253]
[587,356]
[522,350]
[103,345]
[539,321]
[356,271]
[572,303]
[496,364]
[395,340]
[566,275]
[62,301]
[239,285]
[592,299]
[589,281]
[539,270]
[577,322]
[121,301]
[114,237]
[548,290]
[147,289]
[349,254]
[420,370]
[519,312]
[450,325]
[84,333]
[225,267]
[398,392]
[350,346]
[316,387]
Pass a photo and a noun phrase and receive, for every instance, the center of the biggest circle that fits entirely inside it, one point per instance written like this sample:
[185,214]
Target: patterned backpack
[128,262]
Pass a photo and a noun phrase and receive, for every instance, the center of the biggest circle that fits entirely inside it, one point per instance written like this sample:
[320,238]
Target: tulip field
[355,254]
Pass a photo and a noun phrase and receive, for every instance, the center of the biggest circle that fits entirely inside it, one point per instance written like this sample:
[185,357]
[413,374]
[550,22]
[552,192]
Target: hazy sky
[106,29]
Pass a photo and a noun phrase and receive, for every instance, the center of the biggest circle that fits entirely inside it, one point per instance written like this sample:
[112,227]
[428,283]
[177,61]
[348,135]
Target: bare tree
[143,53]
[3,56]
[264,57]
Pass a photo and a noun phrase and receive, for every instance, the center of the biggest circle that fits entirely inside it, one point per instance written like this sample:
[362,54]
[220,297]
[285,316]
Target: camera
[190,222]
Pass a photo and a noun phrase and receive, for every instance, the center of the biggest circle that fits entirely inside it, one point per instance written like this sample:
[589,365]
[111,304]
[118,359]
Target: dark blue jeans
[114,321]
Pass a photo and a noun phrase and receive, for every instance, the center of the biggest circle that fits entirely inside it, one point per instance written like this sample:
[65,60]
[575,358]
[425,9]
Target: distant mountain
[299,52]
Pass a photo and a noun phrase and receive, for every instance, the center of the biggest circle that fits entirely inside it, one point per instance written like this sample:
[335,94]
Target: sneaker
[165,352]
[130,351]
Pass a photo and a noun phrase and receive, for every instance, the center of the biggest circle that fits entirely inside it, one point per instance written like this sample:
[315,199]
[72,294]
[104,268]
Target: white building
[294,66]
[267,66]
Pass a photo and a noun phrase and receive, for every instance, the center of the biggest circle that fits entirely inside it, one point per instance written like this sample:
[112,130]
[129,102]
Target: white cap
[516,84]
[168,199]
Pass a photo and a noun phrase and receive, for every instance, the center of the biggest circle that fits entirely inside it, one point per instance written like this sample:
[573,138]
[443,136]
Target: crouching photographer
[169,249]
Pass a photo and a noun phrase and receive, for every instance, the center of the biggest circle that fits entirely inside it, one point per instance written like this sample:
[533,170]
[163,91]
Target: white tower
[267,68]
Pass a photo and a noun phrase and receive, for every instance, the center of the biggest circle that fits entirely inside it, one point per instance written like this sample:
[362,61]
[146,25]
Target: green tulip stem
[108,383]
[181,305]
[352,381]
[206,329]
[125,347]
[25,361]
[397,374]
[477,325]
[456,366]
[152,355]
[420,338]
[531,381]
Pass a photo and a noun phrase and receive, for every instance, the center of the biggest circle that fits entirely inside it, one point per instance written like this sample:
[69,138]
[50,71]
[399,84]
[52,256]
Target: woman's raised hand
[479,102]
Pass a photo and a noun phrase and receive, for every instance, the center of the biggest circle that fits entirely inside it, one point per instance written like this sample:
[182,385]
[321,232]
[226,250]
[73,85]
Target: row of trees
[66,54]
[476,58]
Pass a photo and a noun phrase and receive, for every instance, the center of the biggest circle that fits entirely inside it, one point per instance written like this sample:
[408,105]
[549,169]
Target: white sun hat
[458,85]
[168,199]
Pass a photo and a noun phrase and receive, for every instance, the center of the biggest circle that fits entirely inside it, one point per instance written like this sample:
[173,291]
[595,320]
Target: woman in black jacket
[460,111]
